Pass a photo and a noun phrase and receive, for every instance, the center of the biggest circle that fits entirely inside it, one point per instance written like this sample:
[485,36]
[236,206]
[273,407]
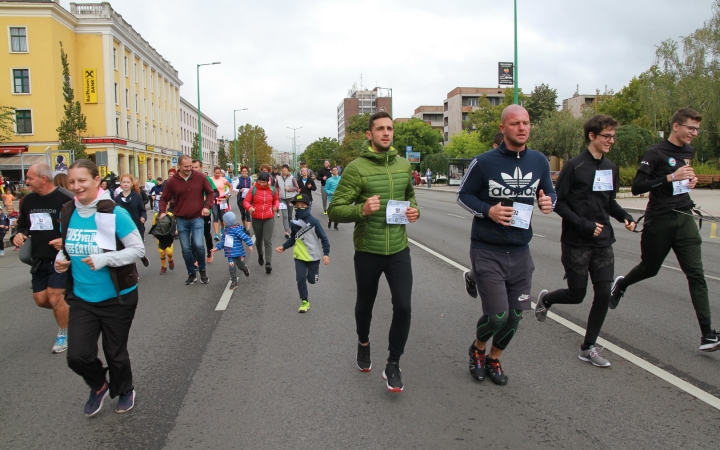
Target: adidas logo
[516,185]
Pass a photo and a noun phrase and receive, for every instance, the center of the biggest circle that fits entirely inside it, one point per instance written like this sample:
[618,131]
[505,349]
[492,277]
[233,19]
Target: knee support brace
[506,333]
[488,326]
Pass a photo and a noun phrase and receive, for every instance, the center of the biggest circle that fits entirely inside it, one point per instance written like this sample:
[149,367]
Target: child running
[232,240]
[165,235]
[307,251]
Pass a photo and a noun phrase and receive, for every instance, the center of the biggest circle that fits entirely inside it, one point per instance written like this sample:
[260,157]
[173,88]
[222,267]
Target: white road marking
[538,235]
[455,215]
[653,369]
[680,270]
[227,293]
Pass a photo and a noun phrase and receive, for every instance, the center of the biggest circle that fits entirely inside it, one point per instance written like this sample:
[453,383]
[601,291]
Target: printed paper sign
[681,187]
[396,212]
[603,180]
[522,215]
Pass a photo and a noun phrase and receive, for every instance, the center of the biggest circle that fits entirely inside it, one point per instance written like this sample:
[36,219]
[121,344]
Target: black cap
[263,176]
[300,198]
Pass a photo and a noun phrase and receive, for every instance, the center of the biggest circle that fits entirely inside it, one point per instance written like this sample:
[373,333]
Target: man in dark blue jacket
[499,189]
[586,191]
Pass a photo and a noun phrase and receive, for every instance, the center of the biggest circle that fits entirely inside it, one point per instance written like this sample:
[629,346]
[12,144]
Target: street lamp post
[294,147]
[200,152]
[515,75]
[253,145]
[236,136]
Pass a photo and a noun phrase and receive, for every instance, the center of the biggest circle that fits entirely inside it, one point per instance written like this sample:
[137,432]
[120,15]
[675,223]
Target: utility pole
[294,146]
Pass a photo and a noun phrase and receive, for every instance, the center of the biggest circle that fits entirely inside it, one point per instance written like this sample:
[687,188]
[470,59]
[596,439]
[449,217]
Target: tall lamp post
[253,148]
[515,75]
[294,148]
[236,136]
[200,152]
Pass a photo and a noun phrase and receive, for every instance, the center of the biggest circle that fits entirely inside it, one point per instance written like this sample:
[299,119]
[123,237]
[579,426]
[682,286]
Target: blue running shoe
[60,344]
[126,402]
[95,402]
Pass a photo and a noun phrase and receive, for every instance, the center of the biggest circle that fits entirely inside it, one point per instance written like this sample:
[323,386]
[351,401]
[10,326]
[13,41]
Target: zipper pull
[518,155]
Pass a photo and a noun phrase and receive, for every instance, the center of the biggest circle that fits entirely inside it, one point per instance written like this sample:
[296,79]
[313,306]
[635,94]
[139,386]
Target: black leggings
[207,222]
[398,272]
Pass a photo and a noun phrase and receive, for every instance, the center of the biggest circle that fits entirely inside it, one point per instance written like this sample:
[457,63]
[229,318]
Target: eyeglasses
[692,129]
[608,137]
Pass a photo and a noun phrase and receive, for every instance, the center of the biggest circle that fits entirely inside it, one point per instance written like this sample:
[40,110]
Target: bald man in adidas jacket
[499,189]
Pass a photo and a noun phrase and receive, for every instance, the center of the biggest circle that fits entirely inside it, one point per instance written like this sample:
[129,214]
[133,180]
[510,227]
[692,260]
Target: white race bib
[224,205]
[522,215]
[603,180]
[244,192]
[283,205]
[40,222]
[396,212]
[229,241]
[680,187]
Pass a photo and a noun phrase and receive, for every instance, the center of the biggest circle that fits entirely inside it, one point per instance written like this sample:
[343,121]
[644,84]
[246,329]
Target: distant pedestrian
[330,187]
[130,200]
[428,178]
[323,175]
[232,241]
[287,189]
[311,244]
[193,199]
[242,187]
[306,184]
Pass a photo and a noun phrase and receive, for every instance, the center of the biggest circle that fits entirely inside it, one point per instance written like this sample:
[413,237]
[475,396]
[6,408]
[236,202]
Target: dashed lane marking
[455,215]
[538,235]
[680,270]
[227,293]
[653,369]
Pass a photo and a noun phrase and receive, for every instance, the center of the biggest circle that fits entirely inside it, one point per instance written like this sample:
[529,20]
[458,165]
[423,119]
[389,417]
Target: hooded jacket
[385,174]
[239,236]
[308,237]
[263,199]
[497,174]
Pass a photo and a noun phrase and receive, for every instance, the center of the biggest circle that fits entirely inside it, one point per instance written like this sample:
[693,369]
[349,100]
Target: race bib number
[224,205]
[244,192]
[522,215]
[283,205]
[40,222]
[396,212]
[603,180]
[680,187]
[229,241]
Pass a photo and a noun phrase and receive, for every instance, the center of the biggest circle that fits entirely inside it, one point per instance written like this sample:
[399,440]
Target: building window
[21,81]
[127,128]
[18,40]
[114,58]
[127,99]
[23,121]
[136,103]
[126,66]
[116,94]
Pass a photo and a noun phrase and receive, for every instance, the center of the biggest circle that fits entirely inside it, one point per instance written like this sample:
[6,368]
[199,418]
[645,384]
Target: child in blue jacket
[311,243]
[232,241]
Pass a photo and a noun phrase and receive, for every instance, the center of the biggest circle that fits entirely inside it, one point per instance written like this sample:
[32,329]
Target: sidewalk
[707,199]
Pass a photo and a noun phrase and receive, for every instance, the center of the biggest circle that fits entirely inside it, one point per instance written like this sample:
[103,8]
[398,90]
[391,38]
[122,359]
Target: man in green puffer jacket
[379,175]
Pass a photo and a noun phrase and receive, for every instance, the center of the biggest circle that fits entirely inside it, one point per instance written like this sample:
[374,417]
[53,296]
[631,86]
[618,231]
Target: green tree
[7,121]
[437,162]
[320,150]
[631,141]
[195,150]
[625,106]
[486,119]
[559,134]
[542,101]
[253,137]
[357,124]
[223,159]
[465,145]
[73,122]
[351,147]
[419,134]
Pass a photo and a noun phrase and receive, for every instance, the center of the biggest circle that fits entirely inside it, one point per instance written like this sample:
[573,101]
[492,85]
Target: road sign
[174,160]
[408,148]
[413,157]
[141,158]
[506,73]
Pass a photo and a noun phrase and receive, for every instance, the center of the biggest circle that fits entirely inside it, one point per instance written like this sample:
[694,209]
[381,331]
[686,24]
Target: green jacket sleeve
[347,205]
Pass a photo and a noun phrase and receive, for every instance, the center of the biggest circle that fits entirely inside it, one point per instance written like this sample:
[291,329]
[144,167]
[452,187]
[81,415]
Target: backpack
[272,188]
[165,226]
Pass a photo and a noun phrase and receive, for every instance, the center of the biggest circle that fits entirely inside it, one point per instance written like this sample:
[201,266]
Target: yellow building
[128,92]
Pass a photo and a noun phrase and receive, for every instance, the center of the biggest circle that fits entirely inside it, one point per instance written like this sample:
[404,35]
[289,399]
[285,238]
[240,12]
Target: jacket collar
[379,158]
[503,150]
[590,156]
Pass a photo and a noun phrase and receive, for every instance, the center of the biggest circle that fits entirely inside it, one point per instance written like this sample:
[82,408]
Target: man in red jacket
[193,199]
[262,203]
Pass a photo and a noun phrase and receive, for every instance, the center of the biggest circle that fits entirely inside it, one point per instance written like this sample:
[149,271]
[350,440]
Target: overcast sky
[292,62]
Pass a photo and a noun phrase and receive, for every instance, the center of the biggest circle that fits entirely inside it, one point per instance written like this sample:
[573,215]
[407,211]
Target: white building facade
[188,130]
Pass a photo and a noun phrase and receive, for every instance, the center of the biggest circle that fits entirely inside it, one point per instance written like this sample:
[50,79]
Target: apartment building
[128,92]
[188,130]
[360,101]
[577,103]
[432,115]
[460,102]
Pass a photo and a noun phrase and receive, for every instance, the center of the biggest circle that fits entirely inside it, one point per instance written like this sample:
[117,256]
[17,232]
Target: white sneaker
[2,252]
[60,344]
[592,355]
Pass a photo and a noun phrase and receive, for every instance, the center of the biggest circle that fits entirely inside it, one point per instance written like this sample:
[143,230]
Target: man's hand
[88,260]
[501,214]
[19,239]
[598,229]
[325,178]
[683,173]
[142,220]
[371,205]
[326,259]
[544,202]
[56,243]
[630,226]
[205,212]
[61,266]
[692,183]
[161,216]
[412,214]
[280,249]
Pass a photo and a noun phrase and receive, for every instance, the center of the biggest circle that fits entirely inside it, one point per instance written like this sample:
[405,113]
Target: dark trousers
[238,262]
[579,262]
[398,272]
[87,322]
[306,272]
[680,233]
[2,241]
[207,221]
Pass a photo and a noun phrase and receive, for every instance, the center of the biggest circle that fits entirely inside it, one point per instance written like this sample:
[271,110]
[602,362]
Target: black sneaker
[329,224]
[192,278]
[233,285]
[477,362]
[261,260]
[268,270]
[246,271]
[204,278]
[494,370]
[392,375]
[336,228]
[541,309]
[470,287]
[616,293]
[364,362]
[145,261]
[710,342]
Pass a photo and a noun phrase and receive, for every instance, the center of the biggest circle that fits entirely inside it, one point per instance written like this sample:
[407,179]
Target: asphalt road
[260,375]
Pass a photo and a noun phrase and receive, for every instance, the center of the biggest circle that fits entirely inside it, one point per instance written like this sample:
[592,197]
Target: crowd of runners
[84,244]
